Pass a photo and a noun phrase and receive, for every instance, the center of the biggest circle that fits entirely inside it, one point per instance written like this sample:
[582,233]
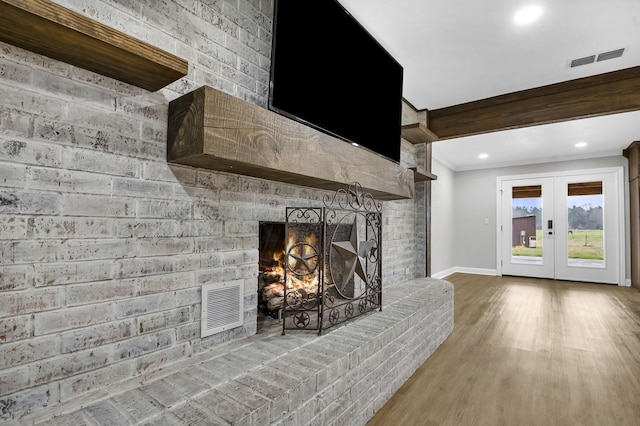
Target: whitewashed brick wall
[103,245]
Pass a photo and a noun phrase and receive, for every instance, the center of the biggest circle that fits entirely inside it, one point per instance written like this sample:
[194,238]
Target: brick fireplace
[104,245]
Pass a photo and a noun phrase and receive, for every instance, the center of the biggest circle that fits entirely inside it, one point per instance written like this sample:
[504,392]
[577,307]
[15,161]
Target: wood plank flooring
[529,351]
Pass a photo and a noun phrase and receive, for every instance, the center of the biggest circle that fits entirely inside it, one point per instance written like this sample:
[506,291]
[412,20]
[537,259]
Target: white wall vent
[222,307]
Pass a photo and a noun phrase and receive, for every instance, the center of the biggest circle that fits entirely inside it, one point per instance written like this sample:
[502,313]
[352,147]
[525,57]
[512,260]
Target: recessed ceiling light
[527,14]
[483,156]
[581,144]
[354,144]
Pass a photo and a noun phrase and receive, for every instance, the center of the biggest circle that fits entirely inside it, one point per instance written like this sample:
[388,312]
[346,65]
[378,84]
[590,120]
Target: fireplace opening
[301,269]
[301,242]
[271,250]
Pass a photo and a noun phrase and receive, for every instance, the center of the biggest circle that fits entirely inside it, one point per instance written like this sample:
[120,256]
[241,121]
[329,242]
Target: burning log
[272,290]
[270,263]
[297,292]
[275,303]
[271,276]
[301,286]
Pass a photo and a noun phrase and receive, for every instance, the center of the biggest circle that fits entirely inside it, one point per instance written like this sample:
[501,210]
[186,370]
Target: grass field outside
[583,244]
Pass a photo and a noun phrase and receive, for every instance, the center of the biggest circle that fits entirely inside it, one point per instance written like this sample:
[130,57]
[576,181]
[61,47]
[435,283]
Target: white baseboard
[480,271]
[463,270]
[443,274]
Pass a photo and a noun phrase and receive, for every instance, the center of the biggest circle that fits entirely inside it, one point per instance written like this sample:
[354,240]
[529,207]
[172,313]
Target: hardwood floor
[529,351]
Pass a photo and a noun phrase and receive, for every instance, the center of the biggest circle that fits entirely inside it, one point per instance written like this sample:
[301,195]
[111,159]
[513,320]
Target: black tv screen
[328,72]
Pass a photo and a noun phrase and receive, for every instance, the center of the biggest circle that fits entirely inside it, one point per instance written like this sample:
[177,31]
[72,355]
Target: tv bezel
[316,126]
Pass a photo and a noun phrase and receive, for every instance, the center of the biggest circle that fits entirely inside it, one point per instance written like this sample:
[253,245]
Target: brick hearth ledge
[341,377]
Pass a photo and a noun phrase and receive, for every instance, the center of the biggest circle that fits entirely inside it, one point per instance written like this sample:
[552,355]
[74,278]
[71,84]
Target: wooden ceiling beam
[603,94]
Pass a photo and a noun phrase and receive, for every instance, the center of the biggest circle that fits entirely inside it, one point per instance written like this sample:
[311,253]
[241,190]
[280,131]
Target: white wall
[474,203]
[442,223]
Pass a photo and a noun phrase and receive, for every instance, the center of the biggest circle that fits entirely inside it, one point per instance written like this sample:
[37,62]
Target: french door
[564,227]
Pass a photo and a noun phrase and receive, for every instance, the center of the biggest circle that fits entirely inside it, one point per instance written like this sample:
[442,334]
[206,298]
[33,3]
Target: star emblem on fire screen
[304,259]
[354,253]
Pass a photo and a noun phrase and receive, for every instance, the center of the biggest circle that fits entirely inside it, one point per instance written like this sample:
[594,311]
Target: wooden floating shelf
[214,130]
[46,28]
[422,175]
[418,133]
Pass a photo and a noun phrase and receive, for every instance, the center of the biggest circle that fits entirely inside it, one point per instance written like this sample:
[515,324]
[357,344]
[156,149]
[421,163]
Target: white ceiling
[457,51]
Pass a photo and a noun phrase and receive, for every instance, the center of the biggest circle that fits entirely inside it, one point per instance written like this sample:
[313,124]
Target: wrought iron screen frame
[358,261]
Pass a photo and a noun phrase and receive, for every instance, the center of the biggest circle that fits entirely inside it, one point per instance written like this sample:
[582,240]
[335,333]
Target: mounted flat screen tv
[328,72]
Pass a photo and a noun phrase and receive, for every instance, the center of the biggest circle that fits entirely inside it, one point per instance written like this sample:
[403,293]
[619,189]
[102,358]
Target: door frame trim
[618,170]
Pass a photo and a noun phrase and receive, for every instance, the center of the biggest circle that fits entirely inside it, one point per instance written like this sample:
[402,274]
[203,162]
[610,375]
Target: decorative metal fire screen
[333,263]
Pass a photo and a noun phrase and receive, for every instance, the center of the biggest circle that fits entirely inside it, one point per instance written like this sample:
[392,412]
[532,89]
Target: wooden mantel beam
[213,130]
[602,94]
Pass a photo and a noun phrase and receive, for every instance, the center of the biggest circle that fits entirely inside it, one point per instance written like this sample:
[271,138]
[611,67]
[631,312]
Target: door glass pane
[585,242]
[526,224]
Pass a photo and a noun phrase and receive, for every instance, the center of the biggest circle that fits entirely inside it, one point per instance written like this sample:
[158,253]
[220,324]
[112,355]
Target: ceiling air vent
[610,55]
[583,61]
